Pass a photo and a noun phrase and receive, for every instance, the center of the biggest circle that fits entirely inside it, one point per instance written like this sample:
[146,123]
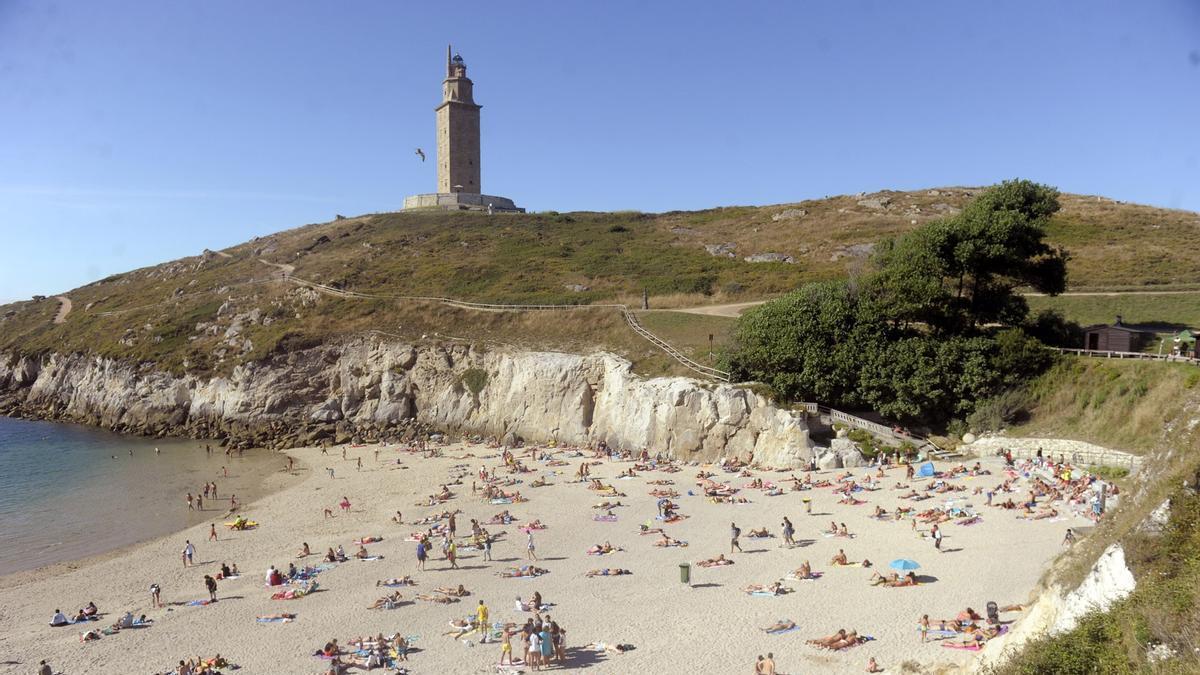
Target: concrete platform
[461,201]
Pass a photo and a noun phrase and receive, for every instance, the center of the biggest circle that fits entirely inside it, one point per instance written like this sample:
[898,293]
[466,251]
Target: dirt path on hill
[64,308]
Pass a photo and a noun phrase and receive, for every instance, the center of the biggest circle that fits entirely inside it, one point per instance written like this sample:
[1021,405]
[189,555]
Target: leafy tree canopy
[933,326]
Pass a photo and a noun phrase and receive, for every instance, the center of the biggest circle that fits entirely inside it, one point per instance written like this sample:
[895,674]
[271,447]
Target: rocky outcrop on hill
[372,389]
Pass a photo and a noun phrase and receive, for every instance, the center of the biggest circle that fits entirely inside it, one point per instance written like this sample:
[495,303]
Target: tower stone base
[461,201]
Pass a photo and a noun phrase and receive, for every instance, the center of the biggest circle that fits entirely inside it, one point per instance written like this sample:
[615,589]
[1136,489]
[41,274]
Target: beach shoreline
[262,489]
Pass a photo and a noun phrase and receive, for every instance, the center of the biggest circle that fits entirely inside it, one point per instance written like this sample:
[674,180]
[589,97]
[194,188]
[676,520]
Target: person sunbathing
[282,616]
[398,518]
[878,579]
[840,558]
[829,640]
[459,592]
[304,551]
[538,482]
[91,609]
[879,512]
[775,588]
[605,505]
[601,549]
[804,571]
[667,541]
[719,561]
[405,581]
[760,533]
[1046,512]
[361,553]
[842,531]
[908,579]
[525,571]
[849,499]
[608,572]
[440,599]
[780,626]
[386,602]
[536,525]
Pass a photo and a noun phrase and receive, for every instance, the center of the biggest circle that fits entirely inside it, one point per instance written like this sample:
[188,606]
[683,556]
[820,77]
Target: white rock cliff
[374,389]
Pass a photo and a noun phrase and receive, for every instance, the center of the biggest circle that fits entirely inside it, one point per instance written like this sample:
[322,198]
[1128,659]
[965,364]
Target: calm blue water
[70,491]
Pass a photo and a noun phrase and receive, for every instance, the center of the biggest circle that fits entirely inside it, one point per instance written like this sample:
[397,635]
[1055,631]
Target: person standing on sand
[481,618]
[487,548]
[768,664]
[788,533]
[359,461]
[212,532]
[506,647]
[531,550]
[199,502]
[44,668]
[937,537]
[214,489]
[452,554]
[187,552]
[451,525]
[225,472]
[191,506]
[155,596]
[734,533]
[211,585]
[421,555]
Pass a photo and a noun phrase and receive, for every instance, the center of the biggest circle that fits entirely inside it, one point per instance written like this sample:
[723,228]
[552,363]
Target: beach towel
[781,632]
[394,585]
[371,557]
[605,519]
[274,620]
[939,633]
[504,500]
[199,603]
[768,594]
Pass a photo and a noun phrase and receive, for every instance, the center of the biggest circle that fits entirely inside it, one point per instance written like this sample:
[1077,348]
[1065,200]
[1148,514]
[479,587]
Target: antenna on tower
[449,50]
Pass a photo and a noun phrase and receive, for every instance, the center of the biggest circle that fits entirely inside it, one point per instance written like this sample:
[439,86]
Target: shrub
[474,379]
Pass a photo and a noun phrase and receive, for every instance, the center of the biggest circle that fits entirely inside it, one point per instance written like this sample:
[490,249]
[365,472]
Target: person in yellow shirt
[481,617]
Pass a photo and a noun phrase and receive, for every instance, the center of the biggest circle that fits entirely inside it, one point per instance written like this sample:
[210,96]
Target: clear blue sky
[134,132]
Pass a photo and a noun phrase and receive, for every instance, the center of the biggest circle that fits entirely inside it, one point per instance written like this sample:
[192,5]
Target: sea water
[70,491]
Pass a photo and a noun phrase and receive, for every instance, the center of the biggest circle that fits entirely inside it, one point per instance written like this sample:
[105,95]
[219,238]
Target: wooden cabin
[1114,338]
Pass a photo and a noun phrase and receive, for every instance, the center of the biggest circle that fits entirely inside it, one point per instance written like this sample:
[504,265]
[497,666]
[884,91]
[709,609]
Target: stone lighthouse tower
[457,131]
[458,166]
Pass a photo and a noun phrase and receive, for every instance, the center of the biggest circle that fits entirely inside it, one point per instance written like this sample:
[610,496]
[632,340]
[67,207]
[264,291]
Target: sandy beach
[709,626]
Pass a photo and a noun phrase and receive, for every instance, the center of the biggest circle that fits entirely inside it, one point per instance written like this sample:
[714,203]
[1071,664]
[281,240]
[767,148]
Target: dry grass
[1118,404]
[538,258]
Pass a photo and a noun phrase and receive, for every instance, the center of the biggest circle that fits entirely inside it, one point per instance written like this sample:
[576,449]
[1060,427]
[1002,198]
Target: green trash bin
[685,573]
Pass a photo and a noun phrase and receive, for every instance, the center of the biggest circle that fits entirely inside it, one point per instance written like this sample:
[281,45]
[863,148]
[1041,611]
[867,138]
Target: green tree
[960,273]
[809,344]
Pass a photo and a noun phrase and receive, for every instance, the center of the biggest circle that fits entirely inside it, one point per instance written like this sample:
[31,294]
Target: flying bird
[421,153]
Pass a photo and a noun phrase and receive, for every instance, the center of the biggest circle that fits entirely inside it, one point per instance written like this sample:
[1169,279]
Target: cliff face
[384,390]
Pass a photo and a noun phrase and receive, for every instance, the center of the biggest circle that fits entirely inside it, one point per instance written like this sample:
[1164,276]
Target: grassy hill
[209,312]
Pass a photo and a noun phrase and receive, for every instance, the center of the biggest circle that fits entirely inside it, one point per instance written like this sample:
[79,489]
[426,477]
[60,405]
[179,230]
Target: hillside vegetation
[209,312]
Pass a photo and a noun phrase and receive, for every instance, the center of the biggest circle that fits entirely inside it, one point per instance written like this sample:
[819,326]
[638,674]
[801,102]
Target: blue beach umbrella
[904,564]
